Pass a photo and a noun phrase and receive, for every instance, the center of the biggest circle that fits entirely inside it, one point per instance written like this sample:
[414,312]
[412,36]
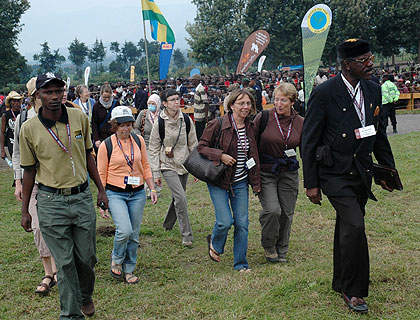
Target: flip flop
[129,276]
[210,249]
[117,276]
[47,286]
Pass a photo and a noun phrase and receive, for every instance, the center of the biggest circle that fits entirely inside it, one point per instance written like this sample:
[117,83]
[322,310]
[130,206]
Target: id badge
[290,153]
[132,180]
[365,132]
[250,163]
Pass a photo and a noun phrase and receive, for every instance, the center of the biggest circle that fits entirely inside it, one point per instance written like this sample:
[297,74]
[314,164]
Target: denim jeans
[126,209]
[224,219]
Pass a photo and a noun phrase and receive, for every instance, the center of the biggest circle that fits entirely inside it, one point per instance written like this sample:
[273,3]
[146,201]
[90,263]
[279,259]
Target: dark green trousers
[68,225]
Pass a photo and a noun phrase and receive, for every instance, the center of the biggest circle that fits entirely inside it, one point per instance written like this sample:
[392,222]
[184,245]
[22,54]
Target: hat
[407,82]
[46,78]
[122,114]
[12,95]
[352,48]
[31,86]
[156,99]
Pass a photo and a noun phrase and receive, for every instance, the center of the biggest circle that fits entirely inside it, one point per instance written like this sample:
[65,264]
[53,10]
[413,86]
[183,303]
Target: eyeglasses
[365,61]
[174,99]
[244,103]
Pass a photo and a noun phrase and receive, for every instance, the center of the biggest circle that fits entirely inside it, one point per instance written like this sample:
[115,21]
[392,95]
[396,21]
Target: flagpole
[147,56]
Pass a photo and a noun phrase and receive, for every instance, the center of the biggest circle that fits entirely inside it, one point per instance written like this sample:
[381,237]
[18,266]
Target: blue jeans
[126,209]
[224,220]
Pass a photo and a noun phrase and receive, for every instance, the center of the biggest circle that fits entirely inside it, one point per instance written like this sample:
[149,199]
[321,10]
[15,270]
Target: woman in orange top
[123,175]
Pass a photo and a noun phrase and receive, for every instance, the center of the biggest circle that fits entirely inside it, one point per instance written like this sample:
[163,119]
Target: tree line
[221,26]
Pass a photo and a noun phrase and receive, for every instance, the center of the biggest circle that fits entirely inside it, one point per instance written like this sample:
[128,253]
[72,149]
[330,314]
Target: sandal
[129,276]
[46,286]
[244,270]
[117,267]
[212,251]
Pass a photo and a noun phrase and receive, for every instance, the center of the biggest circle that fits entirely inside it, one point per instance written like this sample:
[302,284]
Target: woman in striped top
[232,141]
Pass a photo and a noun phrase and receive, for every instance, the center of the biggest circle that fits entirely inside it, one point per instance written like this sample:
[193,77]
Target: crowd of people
[126,140]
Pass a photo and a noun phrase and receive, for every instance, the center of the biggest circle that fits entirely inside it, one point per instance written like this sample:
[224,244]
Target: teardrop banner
[87,72]
[261,62]
[315,27]
[252,49]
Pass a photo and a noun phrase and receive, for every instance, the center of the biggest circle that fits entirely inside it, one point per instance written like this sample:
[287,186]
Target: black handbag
[203,168]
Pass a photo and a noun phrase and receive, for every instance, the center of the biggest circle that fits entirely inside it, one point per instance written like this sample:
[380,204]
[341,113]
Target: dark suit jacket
[331,113]
[140,99]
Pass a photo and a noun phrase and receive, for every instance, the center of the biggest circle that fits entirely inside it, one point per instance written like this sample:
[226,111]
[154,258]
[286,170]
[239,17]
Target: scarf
[106,105]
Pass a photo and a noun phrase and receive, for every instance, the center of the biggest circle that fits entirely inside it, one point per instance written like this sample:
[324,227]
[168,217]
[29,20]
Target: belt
[65,191]
[128,188]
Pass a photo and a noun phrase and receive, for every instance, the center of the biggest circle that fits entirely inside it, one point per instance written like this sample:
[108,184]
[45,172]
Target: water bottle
[9,162]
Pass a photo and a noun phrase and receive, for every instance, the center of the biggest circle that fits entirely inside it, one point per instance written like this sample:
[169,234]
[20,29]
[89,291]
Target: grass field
[182,283]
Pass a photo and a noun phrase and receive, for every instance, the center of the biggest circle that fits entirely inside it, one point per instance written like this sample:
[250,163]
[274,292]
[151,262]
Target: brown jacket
[229,145]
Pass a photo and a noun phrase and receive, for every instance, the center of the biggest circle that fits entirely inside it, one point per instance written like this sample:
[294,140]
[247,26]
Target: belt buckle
[66,191]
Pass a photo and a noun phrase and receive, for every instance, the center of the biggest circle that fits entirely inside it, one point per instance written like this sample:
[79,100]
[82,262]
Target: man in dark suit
[140,98]
[344,115]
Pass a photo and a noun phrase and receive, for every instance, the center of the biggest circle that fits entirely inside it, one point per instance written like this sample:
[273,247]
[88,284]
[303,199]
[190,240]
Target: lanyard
[358,104]
[285,138]
[243,145]
[62,146]
[13,114]
[129,162]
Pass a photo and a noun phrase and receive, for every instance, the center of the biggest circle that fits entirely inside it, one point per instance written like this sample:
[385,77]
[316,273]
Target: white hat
[122,114]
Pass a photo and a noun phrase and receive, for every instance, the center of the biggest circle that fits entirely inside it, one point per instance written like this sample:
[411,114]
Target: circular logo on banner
[318,20]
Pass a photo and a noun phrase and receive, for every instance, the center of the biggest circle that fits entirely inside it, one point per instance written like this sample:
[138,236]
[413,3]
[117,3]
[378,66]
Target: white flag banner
[68,83]
[261,62]
[87,72]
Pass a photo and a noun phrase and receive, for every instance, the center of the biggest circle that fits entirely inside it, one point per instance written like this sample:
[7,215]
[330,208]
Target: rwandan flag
[161,31]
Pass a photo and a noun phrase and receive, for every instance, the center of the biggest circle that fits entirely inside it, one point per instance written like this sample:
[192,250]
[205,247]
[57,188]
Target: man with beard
[56,146]
[341,130]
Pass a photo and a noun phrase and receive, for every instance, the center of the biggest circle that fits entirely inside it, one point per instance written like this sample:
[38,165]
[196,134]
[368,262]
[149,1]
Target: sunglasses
[365,61]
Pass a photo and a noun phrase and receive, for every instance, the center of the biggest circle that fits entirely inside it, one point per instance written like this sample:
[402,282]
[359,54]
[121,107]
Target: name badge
[365,132]
[290,153]
[250,163]
[132,180]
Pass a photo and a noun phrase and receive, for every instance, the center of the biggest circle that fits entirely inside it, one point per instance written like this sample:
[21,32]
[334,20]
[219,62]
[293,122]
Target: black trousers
[351,256]
[389,109]
[199,128]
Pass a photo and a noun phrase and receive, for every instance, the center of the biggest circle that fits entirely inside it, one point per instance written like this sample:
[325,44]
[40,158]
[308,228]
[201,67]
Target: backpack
[263,124]
[108,144]
[161,123]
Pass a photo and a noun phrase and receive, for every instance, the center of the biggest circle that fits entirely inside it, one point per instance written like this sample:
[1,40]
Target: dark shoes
[88,309]
[273,257]
[395,131]
[355,304]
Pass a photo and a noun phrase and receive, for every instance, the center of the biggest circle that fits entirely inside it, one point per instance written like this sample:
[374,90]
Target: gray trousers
[278,199]
[178,207]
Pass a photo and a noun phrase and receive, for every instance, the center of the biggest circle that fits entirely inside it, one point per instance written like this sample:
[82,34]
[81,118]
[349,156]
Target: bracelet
[153,190]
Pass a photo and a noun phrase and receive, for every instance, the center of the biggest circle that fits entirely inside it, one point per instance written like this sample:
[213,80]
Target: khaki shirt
[53,165]
[158,159]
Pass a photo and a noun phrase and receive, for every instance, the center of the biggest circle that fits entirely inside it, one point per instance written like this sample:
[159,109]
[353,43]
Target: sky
[59,22]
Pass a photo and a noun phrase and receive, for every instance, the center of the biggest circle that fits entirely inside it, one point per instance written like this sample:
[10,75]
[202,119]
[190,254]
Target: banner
[315,26]
[68,83]
[165,59]
[253,47]
[132,68]
[87,72]
[290,67]
[194,71]
[261,62]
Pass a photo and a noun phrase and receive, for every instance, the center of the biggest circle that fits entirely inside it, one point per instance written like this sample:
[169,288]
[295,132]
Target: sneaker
[394,131]
[271,255]
[282,260]
[355,304]
[244,270]
[88,309]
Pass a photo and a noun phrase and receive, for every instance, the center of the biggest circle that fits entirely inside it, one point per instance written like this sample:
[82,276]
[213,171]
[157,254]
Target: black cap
[45,78]
[352,48]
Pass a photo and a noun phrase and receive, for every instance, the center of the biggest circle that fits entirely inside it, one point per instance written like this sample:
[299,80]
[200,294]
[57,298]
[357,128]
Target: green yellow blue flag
[161,31]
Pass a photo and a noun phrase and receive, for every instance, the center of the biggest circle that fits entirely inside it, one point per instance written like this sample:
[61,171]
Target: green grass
[181,283]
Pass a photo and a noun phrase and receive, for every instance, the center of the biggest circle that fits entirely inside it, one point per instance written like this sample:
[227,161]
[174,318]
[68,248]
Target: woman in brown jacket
[277,140]
[237,149]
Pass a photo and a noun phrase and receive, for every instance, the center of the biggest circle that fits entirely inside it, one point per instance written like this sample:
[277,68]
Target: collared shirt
[359,101]
[53,165]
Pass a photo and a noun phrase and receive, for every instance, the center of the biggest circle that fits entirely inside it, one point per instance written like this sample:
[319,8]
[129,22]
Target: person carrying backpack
[172,139]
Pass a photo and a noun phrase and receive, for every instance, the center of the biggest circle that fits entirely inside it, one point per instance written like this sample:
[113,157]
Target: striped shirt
[241,171]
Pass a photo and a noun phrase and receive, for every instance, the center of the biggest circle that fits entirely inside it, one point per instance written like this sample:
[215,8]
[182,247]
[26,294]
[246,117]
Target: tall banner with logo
[165,58]
[252,49]
[132,73]
[315,26]
[87,72]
